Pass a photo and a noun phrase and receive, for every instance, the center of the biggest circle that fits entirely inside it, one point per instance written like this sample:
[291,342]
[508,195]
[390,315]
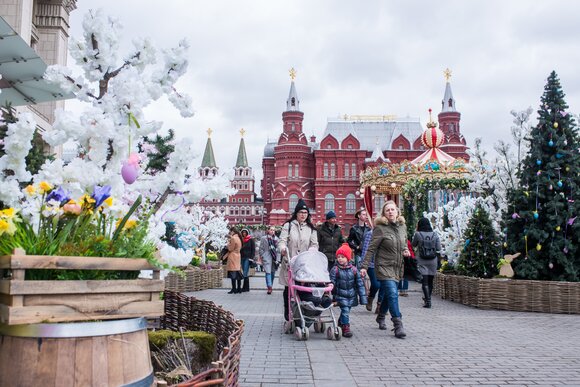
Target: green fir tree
[541,218]
[480,255]
[159,157]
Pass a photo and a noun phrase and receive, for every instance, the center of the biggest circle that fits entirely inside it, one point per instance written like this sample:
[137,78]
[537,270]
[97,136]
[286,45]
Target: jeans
[391,298]
[344,315]
[270,278]
[404,284]
[375,285]
[245,267]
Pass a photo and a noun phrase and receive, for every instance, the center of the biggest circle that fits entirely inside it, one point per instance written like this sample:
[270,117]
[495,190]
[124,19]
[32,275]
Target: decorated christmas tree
[541,217]
[481,250]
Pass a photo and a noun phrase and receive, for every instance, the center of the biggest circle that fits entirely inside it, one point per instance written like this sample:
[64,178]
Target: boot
[346,332]
[269,290]
[370,304]
[233,287]
[381,320]
[426,296]
[378,310]
[246,287]
[398,327]
[238,286]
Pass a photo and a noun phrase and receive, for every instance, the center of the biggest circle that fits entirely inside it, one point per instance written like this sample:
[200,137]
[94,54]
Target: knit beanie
[344,250]
[330,214]
[301,205]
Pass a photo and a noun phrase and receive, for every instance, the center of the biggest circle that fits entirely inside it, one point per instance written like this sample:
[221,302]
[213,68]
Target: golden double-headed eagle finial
[292,72]
[242,132]
[447,74]
[209,132]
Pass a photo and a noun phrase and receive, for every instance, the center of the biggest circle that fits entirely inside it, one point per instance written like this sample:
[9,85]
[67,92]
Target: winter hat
[330,214]
[301,205]
[344,250]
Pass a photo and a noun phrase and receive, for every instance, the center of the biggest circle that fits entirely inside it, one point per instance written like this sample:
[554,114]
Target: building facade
[326,173]
[243,207]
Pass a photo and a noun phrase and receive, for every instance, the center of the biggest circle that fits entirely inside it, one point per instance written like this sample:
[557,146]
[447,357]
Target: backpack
[428,246]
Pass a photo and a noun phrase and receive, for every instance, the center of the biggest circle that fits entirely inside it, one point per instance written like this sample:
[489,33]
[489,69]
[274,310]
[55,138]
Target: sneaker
[269,290]
[346,332]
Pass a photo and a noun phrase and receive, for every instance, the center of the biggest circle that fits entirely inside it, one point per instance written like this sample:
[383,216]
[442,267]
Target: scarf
[272,246]
[247,238]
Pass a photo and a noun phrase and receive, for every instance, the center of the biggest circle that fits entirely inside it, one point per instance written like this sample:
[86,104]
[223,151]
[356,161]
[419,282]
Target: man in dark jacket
[330,238]
[356,235]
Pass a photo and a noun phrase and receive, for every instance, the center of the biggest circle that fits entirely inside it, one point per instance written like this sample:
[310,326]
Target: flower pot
[107,353]
[29,302]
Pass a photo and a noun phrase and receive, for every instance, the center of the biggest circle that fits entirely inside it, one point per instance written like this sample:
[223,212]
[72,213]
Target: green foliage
[158,157]
[481,251]
[415,193]
[541,218]
[37,155]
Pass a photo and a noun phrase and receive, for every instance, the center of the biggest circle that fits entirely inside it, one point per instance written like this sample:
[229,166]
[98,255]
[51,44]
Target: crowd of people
[378,253]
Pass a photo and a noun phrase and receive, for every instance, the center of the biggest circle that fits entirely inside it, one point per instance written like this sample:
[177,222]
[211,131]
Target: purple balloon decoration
[129,172]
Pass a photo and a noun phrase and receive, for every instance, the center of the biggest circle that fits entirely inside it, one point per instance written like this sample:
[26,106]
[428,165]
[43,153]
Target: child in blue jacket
[348,287]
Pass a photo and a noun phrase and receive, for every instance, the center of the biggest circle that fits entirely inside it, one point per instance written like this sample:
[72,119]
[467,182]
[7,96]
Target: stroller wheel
[329,333]
[318,328]
[305,334]
[298,333]
[322,327]
[337,333]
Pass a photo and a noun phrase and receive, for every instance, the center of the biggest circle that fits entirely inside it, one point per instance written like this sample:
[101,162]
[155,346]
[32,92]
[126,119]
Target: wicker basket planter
[192,314]
[195,279]
[31,302]
[510,294]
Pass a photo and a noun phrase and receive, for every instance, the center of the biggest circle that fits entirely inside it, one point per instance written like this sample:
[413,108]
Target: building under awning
[22,72]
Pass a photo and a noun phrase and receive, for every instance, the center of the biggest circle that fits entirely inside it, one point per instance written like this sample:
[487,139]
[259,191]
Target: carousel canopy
[433,154]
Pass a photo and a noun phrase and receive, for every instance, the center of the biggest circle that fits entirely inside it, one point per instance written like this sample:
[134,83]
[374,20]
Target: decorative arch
[401,142]
[350,140]
[418,144]
[328,202]
[329,142]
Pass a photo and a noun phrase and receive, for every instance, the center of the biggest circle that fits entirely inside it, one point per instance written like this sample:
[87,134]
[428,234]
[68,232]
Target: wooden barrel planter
[107,353]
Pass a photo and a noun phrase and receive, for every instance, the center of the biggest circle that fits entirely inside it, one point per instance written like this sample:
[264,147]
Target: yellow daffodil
[44,187]
[7,213]
[129,224]
[7,221]
[109,201]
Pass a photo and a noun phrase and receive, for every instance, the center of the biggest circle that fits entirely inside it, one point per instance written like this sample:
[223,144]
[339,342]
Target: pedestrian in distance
[348,287]
[356,235]
[330,238]
[232,258]
[298,234]
[248,252]
[427,246]
[389,246]
[268,252]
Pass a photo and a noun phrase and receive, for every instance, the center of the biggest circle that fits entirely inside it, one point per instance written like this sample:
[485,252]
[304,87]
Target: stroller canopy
[310,266]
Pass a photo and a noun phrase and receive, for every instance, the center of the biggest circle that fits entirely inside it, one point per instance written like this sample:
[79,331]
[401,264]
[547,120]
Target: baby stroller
[309,290]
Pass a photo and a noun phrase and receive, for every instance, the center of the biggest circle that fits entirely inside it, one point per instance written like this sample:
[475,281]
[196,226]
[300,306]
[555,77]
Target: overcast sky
[370,57]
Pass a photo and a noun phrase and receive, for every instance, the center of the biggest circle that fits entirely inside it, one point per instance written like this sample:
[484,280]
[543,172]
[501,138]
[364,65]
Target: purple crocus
[100,194]
[59,195]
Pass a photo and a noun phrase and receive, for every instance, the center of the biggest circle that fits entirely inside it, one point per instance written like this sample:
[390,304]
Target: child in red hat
[348,287]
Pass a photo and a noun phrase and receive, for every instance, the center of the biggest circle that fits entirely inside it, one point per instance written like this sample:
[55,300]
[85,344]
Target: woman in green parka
[389,246]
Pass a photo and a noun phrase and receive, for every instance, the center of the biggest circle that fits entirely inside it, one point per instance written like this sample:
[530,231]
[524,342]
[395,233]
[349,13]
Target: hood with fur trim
[383,220]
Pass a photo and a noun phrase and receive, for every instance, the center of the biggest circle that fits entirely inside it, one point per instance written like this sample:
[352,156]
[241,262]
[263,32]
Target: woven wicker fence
[509,294]
[195,279]
[190,313]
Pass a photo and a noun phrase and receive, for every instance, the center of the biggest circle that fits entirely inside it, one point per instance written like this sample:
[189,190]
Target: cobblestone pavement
[447,345]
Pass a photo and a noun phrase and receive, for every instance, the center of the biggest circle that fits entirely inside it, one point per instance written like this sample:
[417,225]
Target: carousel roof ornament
[389,178]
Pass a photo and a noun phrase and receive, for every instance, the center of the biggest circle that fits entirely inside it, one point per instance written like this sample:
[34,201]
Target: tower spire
[448,102]
[292,103]
[242,160]
[208,157]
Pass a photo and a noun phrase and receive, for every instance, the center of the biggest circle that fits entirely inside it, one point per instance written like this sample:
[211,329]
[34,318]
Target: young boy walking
[348,287]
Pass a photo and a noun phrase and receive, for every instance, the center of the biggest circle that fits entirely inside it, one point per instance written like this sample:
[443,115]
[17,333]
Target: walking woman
[233,265]
[269,255]
[298,235]
[389,246]
[427,246]
[247,252]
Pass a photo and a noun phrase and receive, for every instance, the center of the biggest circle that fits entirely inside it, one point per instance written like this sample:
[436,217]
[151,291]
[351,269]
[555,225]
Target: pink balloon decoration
[130,169]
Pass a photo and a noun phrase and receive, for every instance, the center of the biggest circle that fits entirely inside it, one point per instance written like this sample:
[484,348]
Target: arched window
[353,171]
[292,202]
[346,170]
[328,203]
[350,204]
[332,171]
[296,169]
[289,170]
[325,171]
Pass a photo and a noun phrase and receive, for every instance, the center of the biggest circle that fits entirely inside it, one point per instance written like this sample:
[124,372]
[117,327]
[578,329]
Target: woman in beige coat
[233,257]
[298,235]
[389,246]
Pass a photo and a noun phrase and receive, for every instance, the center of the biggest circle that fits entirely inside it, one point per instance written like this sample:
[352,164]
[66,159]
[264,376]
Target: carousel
[424,184]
